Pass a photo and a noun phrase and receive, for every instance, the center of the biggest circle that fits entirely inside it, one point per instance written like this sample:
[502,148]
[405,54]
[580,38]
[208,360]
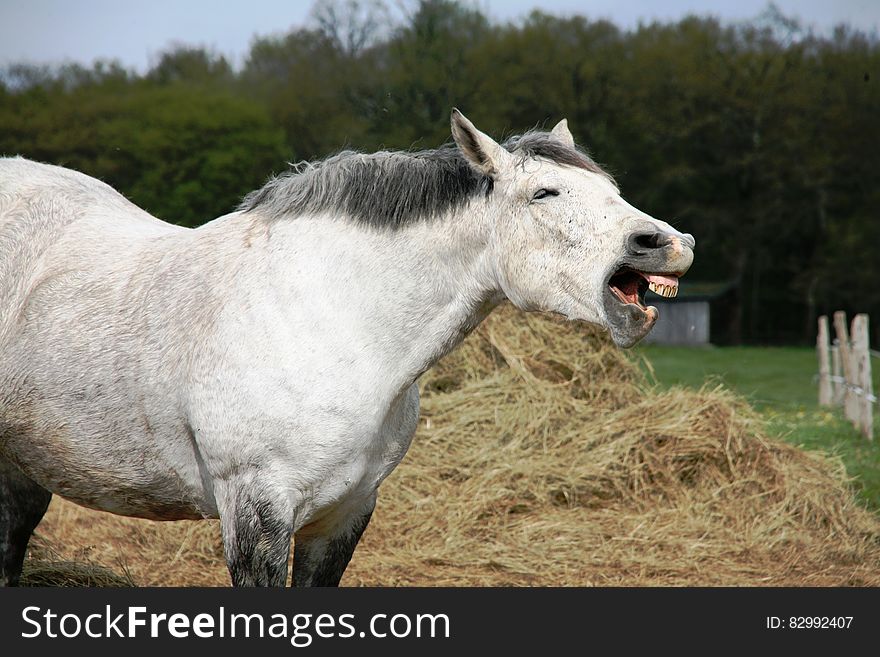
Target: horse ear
[481,151]
[563,134]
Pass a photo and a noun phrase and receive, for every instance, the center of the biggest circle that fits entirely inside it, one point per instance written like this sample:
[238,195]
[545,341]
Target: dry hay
[544,457]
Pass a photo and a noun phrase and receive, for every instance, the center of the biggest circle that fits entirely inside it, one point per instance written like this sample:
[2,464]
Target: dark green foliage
[185,151]
[762,139]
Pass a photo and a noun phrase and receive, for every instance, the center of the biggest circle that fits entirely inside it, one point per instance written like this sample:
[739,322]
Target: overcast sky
[52,31]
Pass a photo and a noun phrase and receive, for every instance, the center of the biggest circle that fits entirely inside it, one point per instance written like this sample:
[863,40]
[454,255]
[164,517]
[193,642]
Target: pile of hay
[544,457]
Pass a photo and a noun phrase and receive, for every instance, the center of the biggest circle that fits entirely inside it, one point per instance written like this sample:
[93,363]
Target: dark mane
[543,144]
[391,189]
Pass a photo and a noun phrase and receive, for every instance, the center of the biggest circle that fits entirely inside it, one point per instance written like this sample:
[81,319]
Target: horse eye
[544,193]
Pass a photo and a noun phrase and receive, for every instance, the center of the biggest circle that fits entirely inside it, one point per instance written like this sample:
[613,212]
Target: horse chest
[328,476]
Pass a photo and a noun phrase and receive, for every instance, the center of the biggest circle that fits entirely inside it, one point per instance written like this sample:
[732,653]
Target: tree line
[760,138]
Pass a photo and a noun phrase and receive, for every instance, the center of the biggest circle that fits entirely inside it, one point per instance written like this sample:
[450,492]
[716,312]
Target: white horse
[262,368]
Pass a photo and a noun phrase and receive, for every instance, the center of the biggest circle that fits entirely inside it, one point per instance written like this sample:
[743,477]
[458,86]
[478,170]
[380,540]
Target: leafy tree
[183,154]
[192,66]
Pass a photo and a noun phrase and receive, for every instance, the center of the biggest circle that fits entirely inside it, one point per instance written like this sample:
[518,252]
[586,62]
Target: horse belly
[81,423]
[125,475]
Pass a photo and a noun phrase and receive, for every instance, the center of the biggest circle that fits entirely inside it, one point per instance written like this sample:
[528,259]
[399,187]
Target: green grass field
[779,381]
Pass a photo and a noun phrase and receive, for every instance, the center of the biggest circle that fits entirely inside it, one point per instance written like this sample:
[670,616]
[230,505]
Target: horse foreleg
[322,551]
[256,537]
[22,505]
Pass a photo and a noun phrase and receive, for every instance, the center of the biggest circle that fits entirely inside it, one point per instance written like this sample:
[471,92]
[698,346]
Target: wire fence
[845,370]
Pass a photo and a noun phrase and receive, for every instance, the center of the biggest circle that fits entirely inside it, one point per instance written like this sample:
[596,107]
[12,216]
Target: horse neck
[410,294]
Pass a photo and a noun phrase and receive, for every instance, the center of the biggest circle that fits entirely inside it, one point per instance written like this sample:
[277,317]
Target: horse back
[41,205]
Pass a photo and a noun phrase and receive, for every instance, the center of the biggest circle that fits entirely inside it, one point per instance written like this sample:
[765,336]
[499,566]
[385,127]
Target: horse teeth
[667,291]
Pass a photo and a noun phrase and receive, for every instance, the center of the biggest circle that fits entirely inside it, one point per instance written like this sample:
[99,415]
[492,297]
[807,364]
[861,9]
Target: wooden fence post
[862,356]
[824,363]
[850,403]
[837,374]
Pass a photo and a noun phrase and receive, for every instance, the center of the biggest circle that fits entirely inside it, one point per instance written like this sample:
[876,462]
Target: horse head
[563,238]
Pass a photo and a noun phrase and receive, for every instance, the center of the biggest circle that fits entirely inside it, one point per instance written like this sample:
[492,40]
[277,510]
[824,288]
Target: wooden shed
[687,318]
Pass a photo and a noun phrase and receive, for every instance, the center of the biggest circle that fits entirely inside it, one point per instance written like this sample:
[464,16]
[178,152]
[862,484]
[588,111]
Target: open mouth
[627,316]
[629,285]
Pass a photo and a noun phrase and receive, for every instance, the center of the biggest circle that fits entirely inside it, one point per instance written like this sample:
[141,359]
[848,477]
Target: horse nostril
[639,242]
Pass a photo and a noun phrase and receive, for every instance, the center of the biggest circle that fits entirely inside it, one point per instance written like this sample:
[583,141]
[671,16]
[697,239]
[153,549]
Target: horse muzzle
[653,260]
